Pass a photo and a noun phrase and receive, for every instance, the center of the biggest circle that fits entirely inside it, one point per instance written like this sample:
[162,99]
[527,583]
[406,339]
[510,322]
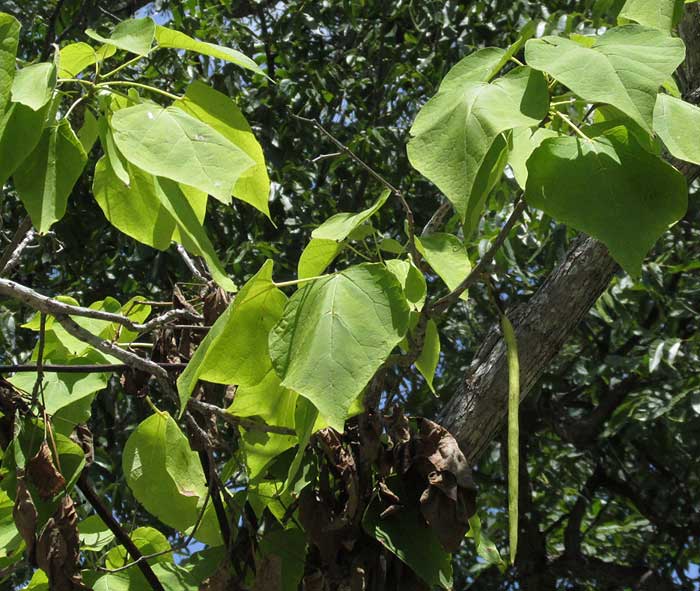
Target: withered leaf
[43,473]
[25,514]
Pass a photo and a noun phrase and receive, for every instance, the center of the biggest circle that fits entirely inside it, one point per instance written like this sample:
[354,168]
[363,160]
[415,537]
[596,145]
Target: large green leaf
[659,14]
[168,142]
[20,131]
[624,67]
[222,114]
[406,535]
[46,178]
[9,39]
[235,350]
[678,125]
[610,188]
[334,335]
[33,86]
[177,40]
[412,280]
[74,58]
[133,35]
[166,476]
[447,256]
[454,132]
[315,258]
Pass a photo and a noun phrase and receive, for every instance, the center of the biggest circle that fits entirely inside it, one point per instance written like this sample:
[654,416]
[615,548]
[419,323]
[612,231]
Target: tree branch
[248,424]
[24,228]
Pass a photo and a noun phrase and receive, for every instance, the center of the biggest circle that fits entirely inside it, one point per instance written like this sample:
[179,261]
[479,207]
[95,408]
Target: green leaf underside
[610,188]
[133,35]
[624,67]
[177,40]
[46,178]
[406,535]
[427,361]
[223,115]
[155,211]
[412,281]
[166,476]
[447,256]
[335,333]
[524,142]
[74,58]
[235,350]
[33,86]
[659,14]
[20,131]
[9,40]
[318,254]
[678,126]
[455,130]
[167,142]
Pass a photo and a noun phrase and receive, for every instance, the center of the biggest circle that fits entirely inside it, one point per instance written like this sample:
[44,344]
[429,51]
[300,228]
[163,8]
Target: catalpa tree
[278,449]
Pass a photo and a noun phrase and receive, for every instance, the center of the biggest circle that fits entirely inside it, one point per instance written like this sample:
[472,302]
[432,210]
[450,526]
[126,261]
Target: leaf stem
[298,281]
[165,93]
[572,125]
[124,65]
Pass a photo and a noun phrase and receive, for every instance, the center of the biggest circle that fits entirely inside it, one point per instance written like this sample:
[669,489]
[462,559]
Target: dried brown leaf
[43,473]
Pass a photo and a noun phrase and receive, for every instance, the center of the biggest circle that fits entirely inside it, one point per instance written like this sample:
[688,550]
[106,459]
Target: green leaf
[454,132]
[168,142]
[480,66]
[305,420]
[10,538]
[678,125]
[166,477]
[610,188]
[407,536]
[335,333]
[89,131]
[74,58]
[616,70]
[38,582]
[223,115]
[148,540]
[235,350]
[315,258]
[177,40]
[427,361]
[133,35]
[412,281]
[289,547]
[485,548]
[46,178]
[339,226]
[524,142]
[94,534]
[114,158]
[33,86]
[9,40]
[20,131]
[659,14]
[447,256]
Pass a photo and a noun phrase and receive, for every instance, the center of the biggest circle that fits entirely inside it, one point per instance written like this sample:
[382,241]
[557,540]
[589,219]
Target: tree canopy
[349,295]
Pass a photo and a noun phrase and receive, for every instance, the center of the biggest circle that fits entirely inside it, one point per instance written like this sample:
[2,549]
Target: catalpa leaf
[427,361]
[315,258]
[177,40]
[20,131]
[46,178]
[447,256]
[455,131]
[659,14]
[223,115]
[74,58]
[412,281]
[133,35]
[33,86]
[169,143]
[166,477]
[335,333]
[678,126]
[9,39]
[523,144]
[610,188]
[235,350]
[624,67]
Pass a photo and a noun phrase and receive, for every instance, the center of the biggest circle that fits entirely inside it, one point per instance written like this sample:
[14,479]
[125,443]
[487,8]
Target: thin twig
[343,148]
[54,307]
[437,219]
[451,298]
[24,227]
[39,383]
[106,515]
[190,263]
[87,368]
[245,423]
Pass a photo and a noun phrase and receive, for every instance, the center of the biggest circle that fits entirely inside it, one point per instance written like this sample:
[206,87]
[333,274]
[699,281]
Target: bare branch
[87,368]
[248,424]
[24,228]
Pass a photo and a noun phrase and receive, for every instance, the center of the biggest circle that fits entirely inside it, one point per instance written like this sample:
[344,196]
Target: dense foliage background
[610,436]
